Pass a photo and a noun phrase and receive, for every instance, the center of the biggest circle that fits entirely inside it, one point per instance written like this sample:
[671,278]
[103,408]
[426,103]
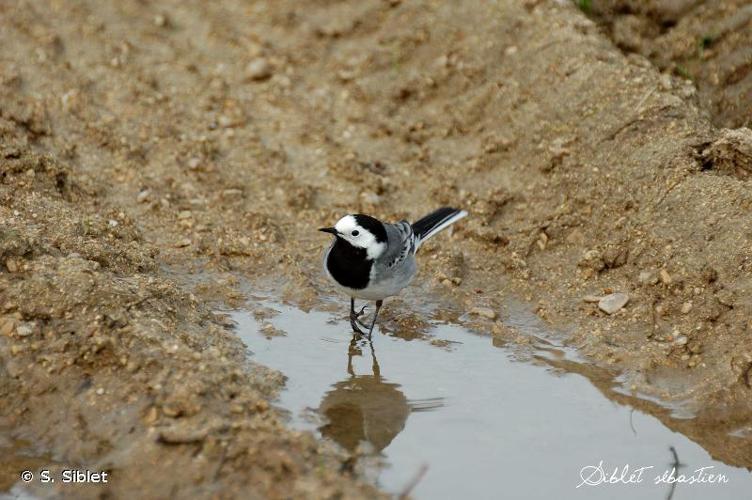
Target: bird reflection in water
[367,408]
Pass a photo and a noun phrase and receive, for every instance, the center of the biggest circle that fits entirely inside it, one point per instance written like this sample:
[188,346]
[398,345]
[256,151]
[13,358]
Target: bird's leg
[354,317]
[375,315]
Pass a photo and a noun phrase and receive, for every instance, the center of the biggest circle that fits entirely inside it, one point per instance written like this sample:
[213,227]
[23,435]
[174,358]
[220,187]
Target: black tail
[435,222]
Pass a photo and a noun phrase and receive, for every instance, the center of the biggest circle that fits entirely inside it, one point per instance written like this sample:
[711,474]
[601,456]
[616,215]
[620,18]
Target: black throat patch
[349,265]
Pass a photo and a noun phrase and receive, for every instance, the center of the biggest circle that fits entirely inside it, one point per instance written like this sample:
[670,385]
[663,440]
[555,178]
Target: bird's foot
[356,315]
[355,318]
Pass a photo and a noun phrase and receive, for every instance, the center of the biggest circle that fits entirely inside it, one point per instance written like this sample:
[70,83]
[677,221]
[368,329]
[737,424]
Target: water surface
[468,419]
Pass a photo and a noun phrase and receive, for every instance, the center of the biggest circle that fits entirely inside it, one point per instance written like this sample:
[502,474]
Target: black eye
[355,233]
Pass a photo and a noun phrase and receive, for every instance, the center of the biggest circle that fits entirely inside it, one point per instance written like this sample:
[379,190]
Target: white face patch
[349,230]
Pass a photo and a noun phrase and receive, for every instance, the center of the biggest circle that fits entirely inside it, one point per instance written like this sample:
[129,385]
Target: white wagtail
[371,260]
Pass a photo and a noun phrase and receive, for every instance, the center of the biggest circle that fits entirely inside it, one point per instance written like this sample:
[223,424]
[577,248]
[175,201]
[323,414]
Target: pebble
[613,302]
[232,193]
[100,391]
[24,330]
[647,278]
[160,20]
[11,265]
[591,298]
[258,69]
[686,307]
[185,242]
[194,162]
[484,312]
[171,411]
[682,340]
[143,196]
[151,416]
[665,277]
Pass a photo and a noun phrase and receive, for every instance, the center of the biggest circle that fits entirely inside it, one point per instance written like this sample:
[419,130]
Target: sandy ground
[155,155]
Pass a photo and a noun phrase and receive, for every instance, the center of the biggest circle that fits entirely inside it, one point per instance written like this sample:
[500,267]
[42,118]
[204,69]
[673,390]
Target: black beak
[328,230]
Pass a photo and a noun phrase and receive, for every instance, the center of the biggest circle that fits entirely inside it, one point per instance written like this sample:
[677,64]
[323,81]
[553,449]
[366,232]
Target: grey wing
[402,243]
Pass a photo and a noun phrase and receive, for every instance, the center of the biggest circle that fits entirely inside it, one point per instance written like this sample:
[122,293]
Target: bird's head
[361,231]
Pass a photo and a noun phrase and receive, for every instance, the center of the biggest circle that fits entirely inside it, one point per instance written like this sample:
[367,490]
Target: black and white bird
[372,260]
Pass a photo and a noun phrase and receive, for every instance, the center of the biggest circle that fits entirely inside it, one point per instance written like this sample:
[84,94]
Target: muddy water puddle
[457,417]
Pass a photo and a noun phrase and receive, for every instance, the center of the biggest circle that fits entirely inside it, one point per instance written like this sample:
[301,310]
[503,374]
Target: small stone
[681,340]
[686,307]
[665,81]
[112,223]
[100,391]
[347,74]
[151,416]
[185,242]
[161,20]
[484,312]
[12,265]
[171,411]
[194,163]
[143,196]
[647,278]
[184,214]
[258,69]
[24,329]
[227,121]
[665,277]
[591,298]
[233,193]
[613,302]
